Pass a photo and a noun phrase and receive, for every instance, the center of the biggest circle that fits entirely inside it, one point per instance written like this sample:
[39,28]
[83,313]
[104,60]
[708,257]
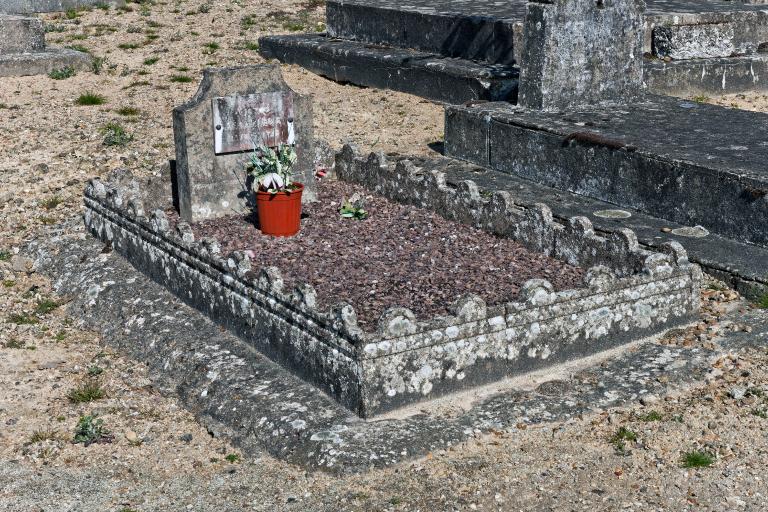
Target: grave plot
[375,364]
[472,49]
[23,51]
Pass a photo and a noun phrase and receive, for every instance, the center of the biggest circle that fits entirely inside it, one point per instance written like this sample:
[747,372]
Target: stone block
[21,35]
[211,184]
[33,6]
[581,52]
[681,42]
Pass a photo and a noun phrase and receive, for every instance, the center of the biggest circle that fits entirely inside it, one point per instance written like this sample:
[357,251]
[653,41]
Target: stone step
[427,75]
[742,266]
[21,35]
[33,6]
[42,63]
[491,30]
[472,30]
[459,81]
[707,76]
[689,163]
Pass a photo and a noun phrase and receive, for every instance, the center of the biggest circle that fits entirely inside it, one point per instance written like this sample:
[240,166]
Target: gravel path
[399,256]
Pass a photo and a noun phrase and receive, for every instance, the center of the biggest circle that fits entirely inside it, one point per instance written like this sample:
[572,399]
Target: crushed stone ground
[160,459]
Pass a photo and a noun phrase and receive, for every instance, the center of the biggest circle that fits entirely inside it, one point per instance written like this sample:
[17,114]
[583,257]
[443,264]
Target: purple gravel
[399,256]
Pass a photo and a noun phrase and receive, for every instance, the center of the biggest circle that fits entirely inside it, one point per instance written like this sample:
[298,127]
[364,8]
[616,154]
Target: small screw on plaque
[218,127]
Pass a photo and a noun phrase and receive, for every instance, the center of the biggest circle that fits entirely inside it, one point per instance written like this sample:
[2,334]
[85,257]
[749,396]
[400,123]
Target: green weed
[88,392]
[697,459]
[90,98]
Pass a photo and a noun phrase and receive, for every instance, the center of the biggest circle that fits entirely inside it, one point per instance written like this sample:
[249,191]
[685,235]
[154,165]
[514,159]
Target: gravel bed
[399,256]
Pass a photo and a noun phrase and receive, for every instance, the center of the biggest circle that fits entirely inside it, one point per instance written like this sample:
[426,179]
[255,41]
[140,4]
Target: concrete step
[743,266]
[491,30]
[458,81]
[689,163]
[21,35]
[33,6]
[707,76]
[427,75]
[42,63]
[472,30]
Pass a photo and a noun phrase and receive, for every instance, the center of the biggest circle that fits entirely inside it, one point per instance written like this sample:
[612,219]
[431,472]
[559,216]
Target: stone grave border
[630,294]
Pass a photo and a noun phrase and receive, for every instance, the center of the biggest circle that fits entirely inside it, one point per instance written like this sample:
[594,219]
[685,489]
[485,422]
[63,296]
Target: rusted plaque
[242,123]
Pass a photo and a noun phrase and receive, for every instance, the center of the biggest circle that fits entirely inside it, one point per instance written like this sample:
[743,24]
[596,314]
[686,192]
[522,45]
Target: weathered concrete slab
[488,29]
[561,36]
[427,75]
[23,51]
[33,6]
[667,157]
[243,396]
[42,63]
[628,293]
[707,76]
[742,266]
[21,35]
[461,29]
[212,184]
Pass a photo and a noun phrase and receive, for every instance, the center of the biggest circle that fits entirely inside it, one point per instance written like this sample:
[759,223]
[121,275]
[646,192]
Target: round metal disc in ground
[612,214]
[691,232]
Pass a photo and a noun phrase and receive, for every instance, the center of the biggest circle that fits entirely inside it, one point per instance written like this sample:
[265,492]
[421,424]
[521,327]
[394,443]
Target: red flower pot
[280,213]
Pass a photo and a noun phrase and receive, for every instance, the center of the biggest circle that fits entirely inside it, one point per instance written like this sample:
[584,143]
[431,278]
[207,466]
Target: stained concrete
[23,51]
[34,6]
[211,185]
[241,395]
[628,293]
[431,76]
[742,266]
[678,160]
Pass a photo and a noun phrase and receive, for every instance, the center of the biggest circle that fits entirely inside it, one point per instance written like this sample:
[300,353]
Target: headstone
[234,111]
[23,51]
[581,52]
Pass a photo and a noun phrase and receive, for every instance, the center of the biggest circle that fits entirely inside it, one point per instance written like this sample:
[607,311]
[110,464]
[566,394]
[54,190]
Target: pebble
[737,392]
[187,438]
[649,399]
[21,264]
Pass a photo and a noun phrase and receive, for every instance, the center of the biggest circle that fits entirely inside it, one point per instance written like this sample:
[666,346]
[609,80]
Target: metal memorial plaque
[242,123]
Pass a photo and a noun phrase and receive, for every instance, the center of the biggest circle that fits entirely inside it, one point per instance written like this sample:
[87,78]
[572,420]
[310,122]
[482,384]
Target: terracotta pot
[280,214]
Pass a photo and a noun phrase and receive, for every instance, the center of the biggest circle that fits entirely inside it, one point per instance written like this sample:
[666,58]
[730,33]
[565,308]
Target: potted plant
[278,197]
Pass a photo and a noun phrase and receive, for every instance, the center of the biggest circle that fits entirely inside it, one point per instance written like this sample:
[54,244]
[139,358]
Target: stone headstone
[23,51]
[21,35]
[233,111]
[581,52]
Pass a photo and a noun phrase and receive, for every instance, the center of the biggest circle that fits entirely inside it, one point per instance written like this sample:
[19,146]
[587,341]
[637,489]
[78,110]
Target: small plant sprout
[232,458]
[86,393]
[63,73]
[352,208]
[90,429]
[90,98]
[620,438]
[128,111]
[652,416]
[115,135]
[697,459]
[272,169]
